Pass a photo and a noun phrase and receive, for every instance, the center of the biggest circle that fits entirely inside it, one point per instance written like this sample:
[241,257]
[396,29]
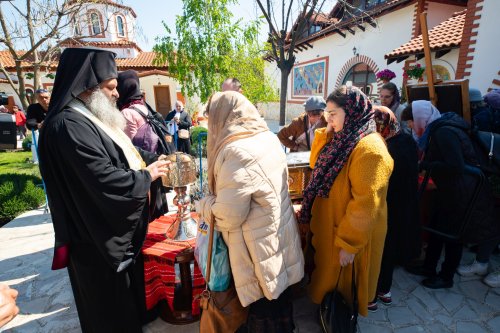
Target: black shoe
[437,282]
[420,270]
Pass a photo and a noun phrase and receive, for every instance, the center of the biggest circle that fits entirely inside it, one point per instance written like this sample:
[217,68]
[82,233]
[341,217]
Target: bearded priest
[98,188]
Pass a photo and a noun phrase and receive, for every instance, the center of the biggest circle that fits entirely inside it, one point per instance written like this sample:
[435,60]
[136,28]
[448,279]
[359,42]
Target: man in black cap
[98,189]
[299,134]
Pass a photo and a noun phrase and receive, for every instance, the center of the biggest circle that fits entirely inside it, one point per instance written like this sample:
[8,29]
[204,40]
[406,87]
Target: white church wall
[373,43]
[485,64]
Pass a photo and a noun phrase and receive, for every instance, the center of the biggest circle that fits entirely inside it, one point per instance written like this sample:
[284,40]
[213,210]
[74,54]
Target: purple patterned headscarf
[358,123]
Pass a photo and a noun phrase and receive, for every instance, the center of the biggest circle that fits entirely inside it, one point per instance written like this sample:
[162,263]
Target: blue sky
[150,14]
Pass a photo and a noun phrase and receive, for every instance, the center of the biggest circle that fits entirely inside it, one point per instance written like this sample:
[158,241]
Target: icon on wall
[310,78]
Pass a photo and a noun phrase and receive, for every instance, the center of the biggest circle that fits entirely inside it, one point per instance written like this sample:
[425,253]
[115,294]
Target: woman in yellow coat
[345,201]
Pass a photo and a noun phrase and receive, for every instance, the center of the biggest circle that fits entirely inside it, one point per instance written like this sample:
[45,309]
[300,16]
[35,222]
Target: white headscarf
[424,113]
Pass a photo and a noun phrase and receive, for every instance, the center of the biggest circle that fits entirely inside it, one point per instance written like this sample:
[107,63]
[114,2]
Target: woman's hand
[345,257]
[158,169]
[329,128]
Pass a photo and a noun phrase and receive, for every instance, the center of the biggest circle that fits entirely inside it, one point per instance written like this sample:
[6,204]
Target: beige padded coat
[254,212]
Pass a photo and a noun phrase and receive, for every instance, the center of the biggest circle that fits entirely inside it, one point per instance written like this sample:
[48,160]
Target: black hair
[339,96]
[391,87]
[407,113]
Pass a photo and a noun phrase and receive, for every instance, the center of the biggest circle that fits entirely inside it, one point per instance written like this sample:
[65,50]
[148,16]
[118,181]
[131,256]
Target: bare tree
[39,28]
[283,43]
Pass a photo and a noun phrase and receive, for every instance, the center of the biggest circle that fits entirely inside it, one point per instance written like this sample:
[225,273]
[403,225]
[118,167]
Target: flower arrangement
[386,75]
[414,72]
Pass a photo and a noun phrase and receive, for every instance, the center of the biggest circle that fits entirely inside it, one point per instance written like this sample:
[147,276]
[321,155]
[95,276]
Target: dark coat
[35,114]
[403,228]
[184,120]
[183,145]
[100,211]
[452,162]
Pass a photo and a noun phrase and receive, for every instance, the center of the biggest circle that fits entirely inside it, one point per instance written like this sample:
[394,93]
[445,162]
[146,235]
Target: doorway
[162,100]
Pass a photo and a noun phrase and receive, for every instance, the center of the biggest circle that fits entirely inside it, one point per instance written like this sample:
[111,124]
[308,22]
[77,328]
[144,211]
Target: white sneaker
[474,268]
[493,279]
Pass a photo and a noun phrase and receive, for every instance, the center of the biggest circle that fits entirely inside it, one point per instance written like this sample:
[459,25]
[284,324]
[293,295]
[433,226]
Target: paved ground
[47,305]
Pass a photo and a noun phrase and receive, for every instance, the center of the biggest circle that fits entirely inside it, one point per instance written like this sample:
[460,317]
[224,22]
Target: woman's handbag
[336,314]
[183,134]
[222,310]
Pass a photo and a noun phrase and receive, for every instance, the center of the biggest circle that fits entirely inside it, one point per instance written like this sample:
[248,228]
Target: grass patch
[18,185]
[18,162]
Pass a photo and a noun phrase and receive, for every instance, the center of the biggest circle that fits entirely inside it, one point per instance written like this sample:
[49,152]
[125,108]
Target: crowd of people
[359,211]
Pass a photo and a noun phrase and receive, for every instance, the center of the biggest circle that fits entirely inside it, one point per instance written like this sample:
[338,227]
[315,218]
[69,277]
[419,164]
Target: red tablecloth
[159,265]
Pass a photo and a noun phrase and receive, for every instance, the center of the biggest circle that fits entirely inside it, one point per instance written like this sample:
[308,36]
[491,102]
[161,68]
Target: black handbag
[336,314]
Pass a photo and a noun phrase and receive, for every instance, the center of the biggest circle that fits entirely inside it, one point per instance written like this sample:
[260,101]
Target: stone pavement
[47,304]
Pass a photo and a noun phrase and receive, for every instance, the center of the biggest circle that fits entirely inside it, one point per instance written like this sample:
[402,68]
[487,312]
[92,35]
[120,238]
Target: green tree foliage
[247,64]
[209,47]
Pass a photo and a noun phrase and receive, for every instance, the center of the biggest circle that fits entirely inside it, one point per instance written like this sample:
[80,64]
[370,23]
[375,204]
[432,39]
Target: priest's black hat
[80,69]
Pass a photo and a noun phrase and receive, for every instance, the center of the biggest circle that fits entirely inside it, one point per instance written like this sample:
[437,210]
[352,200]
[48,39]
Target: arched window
[96,24]
[76,28]
[119,26]
[361,76]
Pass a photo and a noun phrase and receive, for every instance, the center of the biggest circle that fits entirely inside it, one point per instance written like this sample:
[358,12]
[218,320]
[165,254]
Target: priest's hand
[345,257]
[8,308]
[158,169]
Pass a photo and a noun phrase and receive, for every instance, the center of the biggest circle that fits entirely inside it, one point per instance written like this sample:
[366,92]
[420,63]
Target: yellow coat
[353,217]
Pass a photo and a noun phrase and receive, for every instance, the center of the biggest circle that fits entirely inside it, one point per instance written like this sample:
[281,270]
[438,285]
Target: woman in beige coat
[250,205]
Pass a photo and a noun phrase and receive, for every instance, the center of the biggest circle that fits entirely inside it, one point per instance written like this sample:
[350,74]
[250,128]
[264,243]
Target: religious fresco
[441,73]
[309,79]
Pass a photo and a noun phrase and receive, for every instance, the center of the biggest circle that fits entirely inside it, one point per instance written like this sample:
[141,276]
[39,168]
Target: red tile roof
[9,63]
[122,43]
[144,61]
[446,35]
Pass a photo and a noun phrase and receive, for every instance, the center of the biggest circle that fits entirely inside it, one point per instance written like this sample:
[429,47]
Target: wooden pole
[428,59]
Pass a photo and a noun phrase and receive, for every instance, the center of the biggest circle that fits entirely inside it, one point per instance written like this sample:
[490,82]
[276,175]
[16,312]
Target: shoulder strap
[139,112]
[308,139]
[209,256]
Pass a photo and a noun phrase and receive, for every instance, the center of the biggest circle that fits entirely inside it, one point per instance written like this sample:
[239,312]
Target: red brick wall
[467,46]
[420,7]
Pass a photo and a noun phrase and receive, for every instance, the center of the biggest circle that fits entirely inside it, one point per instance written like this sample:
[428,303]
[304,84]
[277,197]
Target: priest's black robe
[100,209]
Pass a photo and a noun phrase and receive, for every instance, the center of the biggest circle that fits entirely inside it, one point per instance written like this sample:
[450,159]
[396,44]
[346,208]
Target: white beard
[104,109]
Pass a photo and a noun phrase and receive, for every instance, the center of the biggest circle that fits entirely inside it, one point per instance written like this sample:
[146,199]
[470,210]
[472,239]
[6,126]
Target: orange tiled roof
[123,43]
[143,61]
[321,18]
[446,35]
[9,63]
